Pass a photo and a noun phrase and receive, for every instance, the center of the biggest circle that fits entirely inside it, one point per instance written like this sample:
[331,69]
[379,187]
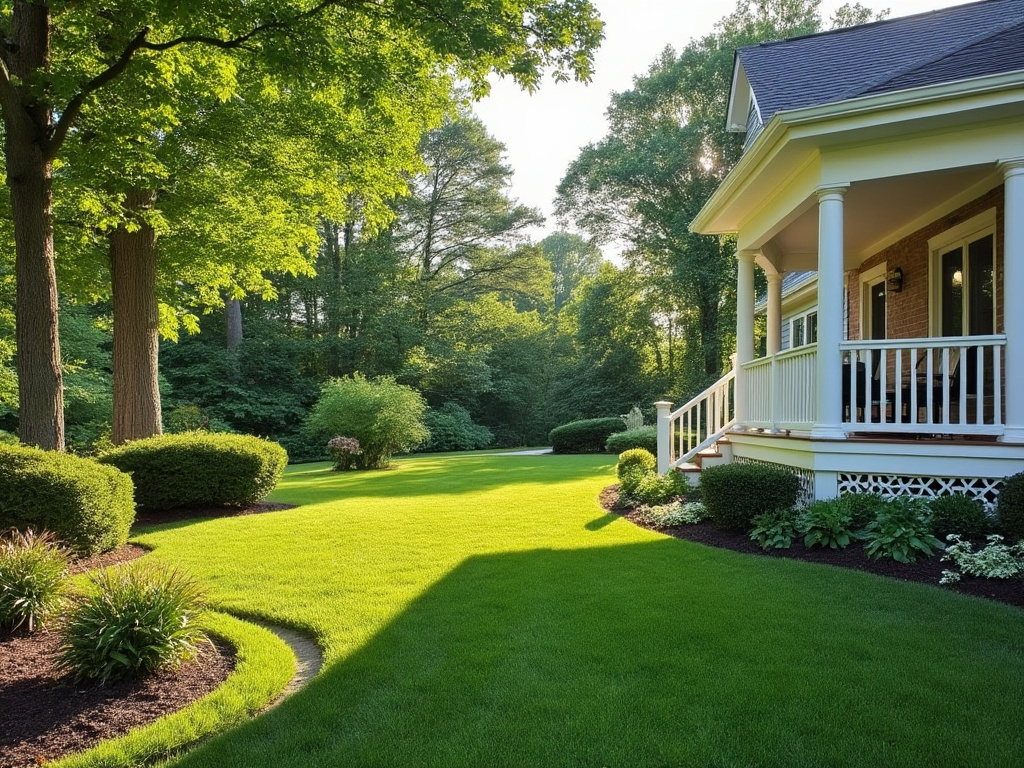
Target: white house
[882,190]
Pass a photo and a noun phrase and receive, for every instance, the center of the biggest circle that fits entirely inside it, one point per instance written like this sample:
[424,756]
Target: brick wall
[907,311]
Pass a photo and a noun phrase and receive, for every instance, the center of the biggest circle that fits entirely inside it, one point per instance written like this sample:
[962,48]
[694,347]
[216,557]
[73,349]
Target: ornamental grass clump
[32,571]
[136,619]
[345,452]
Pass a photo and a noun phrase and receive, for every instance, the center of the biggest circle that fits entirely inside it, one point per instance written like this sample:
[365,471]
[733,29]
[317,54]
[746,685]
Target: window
[803,329]
[963,271]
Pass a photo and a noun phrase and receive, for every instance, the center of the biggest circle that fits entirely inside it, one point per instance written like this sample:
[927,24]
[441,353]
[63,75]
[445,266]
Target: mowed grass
[484,611]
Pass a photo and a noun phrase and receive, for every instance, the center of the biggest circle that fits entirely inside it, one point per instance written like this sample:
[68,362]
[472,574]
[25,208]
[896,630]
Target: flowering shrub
[994,561]
[344,451]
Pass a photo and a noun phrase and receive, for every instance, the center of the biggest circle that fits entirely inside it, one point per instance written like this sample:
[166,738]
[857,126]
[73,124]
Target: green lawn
[485,611]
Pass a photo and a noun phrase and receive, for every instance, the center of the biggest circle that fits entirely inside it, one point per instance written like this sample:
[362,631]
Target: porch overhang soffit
[775,179]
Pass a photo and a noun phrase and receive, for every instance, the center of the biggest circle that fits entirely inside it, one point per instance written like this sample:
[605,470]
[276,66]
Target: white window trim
[868,279]
[792,320]
[962,234]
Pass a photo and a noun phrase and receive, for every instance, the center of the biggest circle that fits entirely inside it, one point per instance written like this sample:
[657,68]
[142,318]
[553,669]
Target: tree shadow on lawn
[655,654]
[430,477]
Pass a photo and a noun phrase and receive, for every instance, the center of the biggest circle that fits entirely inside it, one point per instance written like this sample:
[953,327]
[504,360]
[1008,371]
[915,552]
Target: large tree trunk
[233,310]
[29,173]
[133,263]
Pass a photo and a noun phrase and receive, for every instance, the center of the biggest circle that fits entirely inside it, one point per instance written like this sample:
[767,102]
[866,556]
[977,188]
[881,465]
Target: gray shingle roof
[938,46]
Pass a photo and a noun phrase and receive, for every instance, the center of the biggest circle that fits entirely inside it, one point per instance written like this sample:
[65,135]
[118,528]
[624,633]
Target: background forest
[299,234]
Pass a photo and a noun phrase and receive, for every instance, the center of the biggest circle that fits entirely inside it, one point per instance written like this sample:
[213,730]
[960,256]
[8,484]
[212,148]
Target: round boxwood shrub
[642,437]
[636,460]
[959,514]
[733,494]
[199,469]
[586,436]
[452,429]
[88,506]
[1010,507]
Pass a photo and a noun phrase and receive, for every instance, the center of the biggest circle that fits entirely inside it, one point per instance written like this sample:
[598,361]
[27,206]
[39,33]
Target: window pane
[798,332]
[952,293]
[812,328]
[980,287]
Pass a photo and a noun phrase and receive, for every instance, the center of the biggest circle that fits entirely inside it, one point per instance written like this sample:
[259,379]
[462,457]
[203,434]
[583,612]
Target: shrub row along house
[881,190]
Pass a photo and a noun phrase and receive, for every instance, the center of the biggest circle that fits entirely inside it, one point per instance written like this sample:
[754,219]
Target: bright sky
[545,132]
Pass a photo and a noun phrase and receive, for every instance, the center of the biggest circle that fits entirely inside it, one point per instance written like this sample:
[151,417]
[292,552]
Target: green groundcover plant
[32,570]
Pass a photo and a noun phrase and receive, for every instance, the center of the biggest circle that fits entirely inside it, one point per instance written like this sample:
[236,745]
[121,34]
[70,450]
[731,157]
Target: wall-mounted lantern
[895,280]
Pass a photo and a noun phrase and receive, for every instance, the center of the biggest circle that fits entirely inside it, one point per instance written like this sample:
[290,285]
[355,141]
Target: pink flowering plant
[345,451]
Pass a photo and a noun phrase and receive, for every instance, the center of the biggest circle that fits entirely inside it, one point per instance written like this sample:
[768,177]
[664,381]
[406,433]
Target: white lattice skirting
[984,489]
[806,477]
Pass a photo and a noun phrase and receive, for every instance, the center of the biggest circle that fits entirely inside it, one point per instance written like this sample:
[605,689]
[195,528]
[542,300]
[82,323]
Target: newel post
[664,436]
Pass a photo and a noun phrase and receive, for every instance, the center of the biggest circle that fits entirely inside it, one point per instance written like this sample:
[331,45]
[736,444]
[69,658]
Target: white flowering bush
[994,561]
[671,515]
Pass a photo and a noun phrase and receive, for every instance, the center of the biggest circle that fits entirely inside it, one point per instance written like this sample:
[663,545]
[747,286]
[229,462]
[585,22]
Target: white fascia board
[822,119]
[740,96]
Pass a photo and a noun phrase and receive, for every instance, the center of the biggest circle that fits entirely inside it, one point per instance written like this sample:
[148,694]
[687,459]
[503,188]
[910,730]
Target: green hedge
[86,505]
[1010,507]
[642,437]
[200,469]
[586,436]
[733,494]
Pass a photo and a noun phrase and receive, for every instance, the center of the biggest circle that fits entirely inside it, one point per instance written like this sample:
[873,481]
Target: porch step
[691,472]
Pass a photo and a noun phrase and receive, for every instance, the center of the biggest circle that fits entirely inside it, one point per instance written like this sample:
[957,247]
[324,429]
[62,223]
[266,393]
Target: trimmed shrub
[635,460]
[586,436]
[1010,507]
[643,437]
[452,429]
[32,569]
[199,469]
[86,505]
[137,619]
[959,514]
[384,416]
[733,494]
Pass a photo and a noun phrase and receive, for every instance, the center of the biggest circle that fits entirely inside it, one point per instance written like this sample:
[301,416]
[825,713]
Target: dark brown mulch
[178,515]
[928,571]
[123,554]
[46,716]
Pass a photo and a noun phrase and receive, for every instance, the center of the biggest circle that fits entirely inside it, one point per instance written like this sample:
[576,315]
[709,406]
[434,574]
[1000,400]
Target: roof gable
[894,54]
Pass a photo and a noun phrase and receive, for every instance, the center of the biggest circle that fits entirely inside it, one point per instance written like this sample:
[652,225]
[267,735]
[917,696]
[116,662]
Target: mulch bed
[928,571]
[44,716]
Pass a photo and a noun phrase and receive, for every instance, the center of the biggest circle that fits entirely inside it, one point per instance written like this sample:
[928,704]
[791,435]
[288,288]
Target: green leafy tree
[65,61]
[572,258]
[384,416]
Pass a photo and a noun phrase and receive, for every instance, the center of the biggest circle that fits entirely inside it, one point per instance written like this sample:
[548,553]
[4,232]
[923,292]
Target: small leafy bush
[775,529]
[642,437]
[826,523]
[586,436]
[654,489]
[452,429]
[959,514]
[86,505]
[901,531]
[863,507]
[32,570]
[672,515]
[345,451]
[734,494]
[994,561]
[1010,507]
[384,416]
[137,618]
[635,460]
[199,469]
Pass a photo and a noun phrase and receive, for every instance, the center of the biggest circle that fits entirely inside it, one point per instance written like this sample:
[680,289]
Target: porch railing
[946,385]
[702,421]
[781,390]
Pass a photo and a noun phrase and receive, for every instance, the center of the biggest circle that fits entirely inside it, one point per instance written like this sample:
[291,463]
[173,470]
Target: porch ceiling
[881,211]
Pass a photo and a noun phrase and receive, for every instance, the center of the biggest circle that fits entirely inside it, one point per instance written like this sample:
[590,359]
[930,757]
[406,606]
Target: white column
[774,313]
[830,313]
[1013,290]
[664,436]
[744,328]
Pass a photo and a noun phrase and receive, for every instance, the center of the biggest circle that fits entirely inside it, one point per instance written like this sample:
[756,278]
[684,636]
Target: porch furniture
[940,383]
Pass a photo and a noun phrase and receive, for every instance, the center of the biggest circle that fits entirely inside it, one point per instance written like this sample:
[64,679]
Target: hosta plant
[826,524]
[775,530]
[135,619]
[901,531]
[32,570]
[996,560]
